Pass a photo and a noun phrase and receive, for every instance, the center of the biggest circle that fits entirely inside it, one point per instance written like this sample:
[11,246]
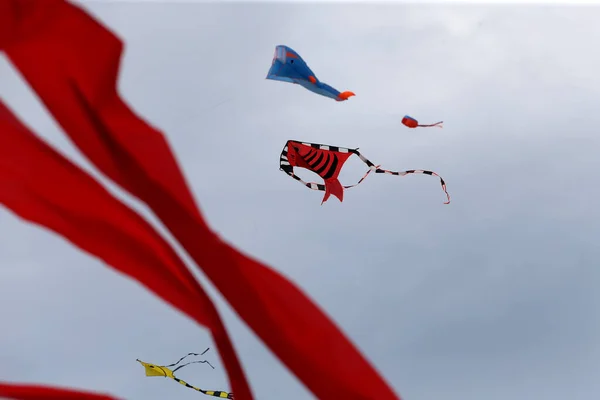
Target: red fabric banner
[40,392]
[72,63]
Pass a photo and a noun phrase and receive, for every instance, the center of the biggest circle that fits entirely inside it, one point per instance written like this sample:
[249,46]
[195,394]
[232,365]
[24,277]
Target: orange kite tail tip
[345,95]
[312,79]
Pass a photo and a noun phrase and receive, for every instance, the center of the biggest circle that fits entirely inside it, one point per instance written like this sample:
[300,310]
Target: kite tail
[444,189]
[363,178]
[222,395]
[417,171]
[186,356]
[414,171]
[437,124]
[333,187]
[214,393]
[194,362]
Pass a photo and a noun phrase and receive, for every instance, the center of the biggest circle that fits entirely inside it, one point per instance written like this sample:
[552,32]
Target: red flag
[43,187]
[72,62]
[39,392]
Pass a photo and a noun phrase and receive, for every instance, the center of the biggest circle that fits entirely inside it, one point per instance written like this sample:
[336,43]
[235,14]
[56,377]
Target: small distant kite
[413,123]
[288,66]
[164,371]
[327,162]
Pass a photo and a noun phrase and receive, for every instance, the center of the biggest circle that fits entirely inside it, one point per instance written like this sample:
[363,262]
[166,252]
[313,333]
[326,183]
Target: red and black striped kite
[327,162]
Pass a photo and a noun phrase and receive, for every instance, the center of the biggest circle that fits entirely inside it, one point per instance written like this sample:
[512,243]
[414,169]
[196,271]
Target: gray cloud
[491,297]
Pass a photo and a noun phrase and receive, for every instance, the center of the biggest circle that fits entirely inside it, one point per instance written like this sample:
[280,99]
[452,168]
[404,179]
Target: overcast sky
[494,296]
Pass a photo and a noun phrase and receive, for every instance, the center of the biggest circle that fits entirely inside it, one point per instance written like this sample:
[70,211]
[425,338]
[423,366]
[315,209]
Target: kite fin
[333,187]
[345,95]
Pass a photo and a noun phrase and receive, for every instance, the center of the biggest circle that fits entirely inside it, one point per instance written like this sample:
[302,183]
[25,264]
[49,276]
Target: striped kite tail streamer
[378,170]
[221,395]
[213,393]
[416,171]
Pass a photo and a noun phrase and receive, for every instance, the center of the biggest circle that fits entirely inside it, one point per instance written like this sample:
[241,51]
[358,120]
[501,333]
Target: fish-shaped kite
[288,66]
[327,161]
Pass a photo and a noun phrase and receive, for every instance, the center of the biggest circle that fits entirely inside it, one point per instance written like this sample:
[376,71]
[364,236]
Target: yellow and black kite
[164,371]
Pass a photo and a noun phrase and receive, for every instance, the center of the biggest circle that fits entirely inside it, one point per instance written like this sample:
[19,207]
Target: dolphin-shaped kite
[288,66]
